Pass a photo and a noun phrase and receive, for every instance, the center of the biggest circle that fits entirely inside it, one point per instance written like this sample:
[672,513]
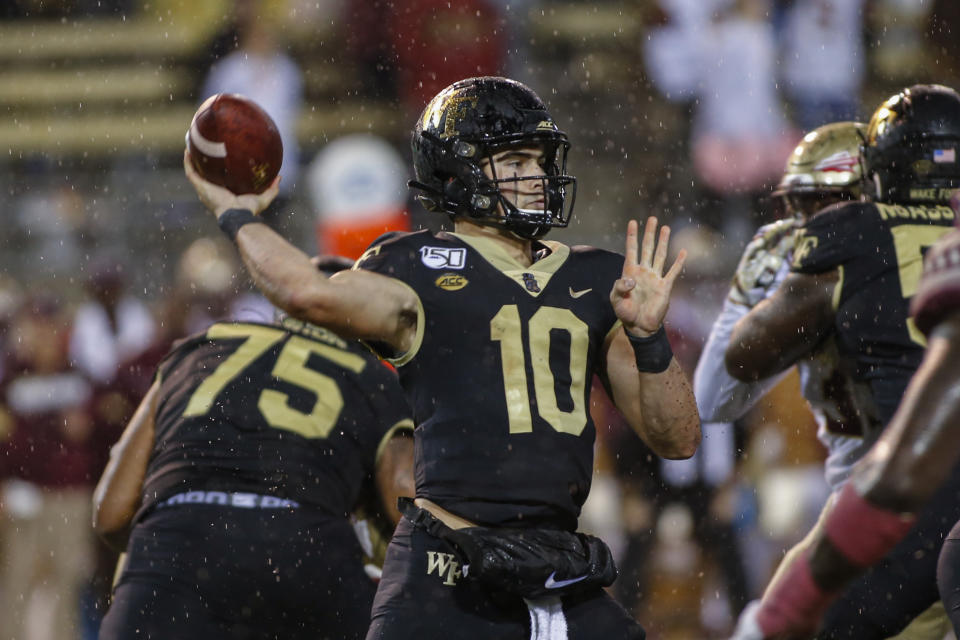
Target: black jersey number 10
[291,366]
[507,329]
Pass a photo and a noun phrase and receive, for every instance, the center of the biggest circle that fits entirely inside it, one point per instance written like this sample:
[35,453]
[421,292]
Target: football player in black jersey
[231,487]
[496,334]
[856,269]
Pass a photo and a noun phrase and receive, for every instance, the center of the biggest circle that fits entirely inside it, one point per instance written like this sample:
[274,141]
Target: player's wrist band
[653,353]
[795,601]
[231,220]
[862,532]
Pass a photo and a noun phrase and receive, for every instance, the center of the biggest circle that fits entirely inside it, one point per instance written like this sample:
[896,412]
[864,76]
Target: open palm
[641,296]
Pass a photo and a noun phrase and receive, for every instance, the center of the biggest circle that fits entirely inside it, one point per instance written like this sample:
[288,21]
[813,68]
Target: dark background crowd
[684,109]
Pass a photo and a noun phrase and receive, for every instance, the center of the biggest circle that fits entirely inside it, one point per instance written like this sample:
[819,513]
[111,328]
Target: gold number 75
[291,366]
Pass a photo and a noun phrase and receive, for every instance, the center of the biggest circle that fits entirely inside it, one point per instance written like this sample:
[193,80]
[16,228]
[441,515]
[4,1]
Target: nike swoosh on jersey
[558,584]
[577,294]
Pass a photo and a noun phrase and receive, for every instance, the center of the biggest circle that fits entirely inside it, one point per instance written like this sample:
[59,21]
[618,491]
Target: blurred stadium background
[96,96]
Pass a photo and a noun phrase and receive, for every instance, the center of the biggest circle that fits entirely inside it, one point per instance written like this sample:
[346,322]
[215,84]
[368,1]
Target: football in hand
[235,144]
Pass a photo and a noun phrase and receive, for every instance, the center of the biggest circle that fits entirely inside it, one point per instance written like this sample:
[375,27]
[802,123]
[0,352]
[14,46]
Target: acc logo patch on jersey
[451,282]
[443,257]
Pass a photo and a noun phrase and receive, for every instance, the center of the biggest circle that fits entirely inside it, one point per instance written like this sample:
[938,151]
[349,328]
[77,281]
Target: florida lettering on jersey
[938,295]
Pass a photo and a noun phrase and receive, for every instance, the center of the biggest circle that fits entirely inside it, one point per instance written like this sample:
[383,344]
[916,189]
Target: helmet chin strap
[512,227]
[521,228]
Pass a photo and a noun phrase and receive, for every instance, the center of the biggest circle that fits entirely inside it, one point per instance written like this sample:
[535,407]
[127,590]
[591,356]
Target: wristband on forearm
[653,353]
[231,220]
[795,602]
[861,531]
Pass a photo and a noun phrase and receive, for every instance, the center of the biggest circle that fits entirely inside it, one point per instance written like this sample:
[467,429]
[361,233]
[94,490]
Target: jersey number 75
[291,366]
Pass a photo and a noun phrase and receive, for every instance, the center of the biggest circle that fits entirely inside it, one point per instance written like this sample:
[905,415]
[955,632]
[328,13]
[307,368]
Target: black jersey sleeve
[391,409]
[938,295]
[607,267]
[393,254]
[830,238]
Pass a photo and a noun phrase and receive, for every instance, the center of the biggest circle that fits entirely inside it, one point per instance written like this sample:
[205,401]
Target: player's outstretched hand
[218,199]
[641,296]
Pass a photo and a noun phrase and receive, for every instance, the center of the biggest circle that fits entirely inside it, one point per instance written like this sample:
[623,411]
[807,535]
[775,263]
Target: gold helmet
[827,160]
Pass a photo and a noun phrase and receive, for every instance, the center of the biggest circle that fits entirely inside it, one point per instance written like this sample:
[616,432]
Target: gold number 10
[506,328]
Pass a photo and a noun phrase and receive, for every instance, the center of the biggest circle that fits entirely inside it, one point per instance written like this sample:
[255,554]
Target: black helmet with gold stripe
[912,148]
[462,127]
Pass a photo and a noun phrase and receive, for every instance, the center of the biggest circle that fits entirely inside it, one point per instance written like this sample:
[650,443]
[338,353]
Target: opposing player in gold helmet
[825,168]
[855,271]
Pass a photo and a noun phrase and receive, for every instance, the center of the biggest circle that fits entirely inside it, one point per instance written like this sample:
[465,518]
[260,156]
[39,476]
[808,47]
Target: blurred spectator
[110,329]
[944,36]
[823,60]
[54,218]
[47,468]
[741,137]
[262,71]
[208,289]
[11,298]
[367,42]
[672,50]
[437,42]
[898,42]
[516,23]
[57,9]
[111,326]
[358,188]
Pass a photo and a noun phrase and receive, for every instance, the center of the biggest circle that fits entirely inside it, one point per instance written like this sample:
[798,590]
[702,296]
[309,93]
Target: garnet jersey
[878,251]
[284,411]
[499,374]
[938,296]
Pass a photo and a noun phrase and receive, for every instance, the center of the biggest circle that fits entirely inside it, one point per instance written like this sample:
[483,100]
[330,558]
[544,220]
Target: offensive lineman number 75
[291,366]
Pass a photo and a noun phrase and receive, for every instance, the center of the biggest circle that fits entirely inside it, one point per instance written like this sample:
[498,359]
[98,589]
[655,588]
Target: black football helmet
[912,146]
[467,123]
